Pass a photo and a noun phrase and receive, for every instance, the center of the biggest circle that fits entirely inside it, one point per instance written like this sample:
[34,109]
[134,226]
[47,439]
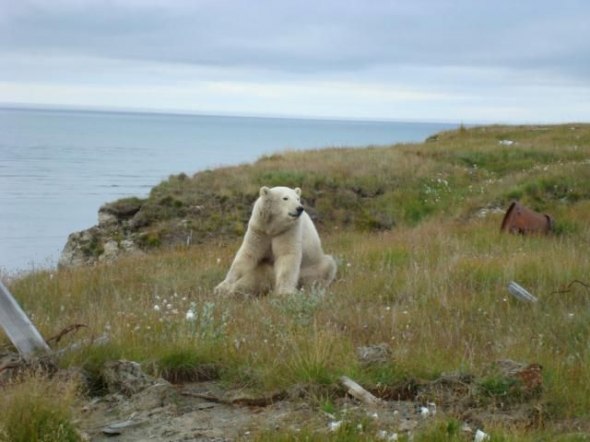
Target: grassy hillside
[422,267]
[377,188]
[453,175]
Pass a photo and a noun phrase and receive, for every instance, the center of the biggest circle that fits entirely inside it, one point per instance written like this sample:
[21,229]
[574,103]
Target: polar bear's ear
[298,191]
[264,191]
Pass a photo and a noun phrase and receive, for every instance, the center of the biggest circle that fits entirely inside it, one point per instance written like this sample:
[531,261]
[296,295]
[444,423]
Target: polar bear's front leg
[251,253]
[287,273]
[287,253]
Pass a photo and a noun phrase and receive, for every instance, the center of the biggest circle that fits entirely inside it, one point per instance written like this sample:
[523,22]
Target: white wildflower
[334,426]
[384,435]
[480,436]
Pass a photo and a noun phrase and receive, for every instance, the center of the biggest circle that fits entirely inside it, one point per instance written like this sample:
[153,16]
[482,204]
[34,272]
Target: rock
[94,245]
[106,218]
[449,388]
[374,354]
[110,251]
[527,378]
[82,248]
[117,428]
[129,246]
[122,209]
[127,377]
[487,211]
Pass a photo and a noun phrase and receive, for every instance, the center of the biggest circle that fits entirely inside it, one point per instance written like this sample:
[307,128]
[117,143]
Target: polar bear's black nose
[299,210]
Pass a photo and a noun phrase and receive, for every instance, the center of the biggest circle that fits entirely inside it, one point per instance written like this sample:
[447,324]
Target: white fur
[281,250]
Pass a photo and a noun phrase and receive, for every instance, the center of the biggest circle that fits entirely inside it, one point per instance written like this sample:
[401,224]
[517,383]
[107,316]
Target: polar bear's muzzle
[297,212]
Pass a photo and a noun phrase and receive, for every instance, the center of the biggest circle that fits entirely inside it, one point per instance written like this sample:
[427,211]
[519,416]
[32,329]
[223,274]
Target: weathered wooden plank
[19,328]
[358,392]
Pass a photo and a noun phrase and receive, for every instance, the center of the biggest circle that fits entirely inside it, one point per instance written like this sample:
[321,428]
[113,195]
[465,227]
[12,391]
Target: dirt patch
[206,412]
[199,411]
[139,407]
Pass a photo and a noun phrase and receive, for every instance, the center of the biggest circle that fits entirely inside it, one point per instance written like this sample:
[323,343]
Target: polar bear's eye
[285,198]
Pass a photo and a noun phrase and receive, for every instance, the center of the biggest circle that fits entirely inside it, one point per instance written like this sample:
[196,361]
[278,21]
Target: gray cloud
[460,52]
[309,36]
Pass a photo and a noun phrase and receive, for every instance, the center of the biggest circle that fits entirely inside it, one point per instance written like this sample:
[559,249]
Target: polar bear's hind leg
[319,275]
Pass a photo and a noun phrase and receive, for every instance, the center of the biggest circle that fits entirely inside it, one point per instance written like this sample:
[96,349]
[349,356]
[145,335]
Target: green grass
[418,269]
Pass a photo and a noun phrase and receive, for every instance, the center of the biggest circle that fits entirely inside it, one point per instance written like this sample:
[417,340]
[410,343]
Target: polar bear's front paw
[224,288]
[285,290]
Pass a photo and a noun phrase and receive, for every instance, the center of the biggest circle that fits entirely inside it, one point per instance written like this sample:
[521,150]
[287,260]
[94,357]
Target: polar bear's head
[279,207]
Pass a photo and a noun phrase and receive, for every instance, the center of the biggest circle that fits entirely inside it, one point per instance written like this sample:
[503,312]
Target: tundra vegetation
[423,268]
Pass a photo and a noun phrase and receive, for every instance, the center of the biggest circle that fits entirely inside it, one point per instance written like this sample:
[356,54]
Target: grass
[419,269]
[37,409]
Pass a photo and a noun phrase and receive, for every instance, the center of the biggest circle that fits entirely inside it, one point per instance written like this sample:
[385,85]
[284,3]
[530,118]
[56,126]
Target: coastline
[62,166]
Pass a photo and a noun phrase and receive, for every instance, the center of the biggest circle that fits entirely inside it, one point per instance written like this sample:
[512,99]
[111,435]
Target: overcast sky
[414,60]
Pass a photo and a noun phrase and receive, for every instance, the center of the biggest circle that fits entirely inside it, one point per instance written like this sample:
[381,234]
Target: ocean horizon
[58,166]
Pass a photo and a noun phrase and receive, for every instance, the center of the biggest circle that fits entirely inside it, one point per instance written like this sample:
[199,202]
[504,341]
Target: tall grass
[37,409]
[433,285]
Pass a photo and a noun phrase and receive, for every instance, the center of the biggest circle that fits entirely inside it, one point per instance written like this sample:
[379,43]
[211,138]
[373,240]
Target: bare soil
[206,411]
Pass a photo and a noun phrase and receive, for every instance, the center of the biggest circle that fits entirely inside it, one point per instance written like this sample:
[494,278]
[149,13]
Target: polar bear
[281,250]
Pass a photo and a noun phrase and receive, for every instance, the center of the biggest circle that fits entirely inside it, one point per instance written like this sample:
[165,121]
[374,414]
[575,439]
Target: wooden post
[18,327]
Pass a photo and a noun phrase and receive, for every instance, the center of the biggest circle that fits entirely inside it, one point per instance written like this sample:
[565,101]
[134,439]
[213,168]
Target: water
[58,167]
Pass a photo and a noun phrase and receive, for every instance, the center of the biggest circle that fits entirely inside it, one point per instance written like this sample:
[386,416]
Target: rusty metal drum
[522,220]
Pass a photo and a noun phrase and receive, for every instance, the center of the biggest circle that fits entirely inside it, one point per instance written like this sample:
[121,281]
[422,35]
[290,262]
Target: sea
[57,167]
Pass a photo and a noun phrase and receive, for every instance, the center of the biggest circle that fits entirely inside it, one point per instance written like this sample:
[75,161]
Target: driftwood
[70,328]
[569,287]
[358,392]
[101,340]
[19,328]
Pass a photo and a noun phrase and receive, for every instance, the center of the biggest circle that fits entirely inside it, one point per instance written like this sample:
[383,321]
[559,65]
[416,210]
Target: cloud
[386,57]
[307,36]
